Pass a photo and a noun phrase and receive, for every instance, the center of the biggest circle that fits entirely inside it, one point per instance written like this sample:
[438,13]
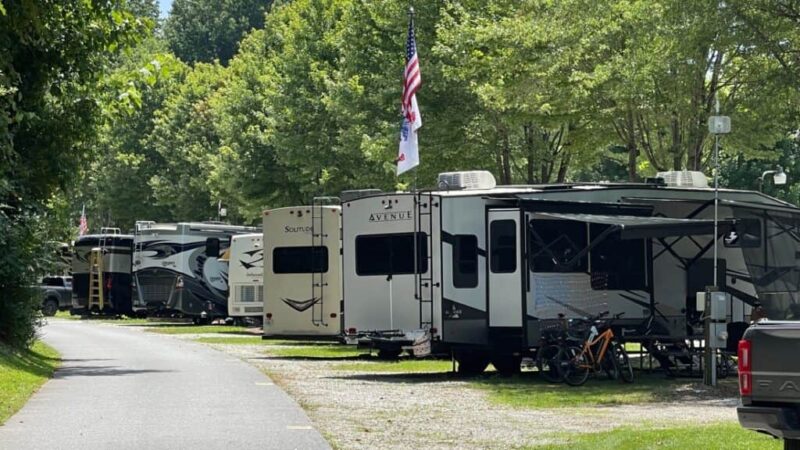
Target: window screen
[617,264]
[300,260]
[503,246]
[554,245]
[746,234]
[390,254]
[465,261]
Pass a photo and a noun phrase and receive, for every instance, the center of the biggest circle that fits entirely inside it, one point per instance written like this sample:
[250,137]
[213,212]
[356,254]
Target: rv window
[212,248]
[617,264]
[746,234]
[554,245]
[503,246]
[465,261]
[300,260]
[390,254]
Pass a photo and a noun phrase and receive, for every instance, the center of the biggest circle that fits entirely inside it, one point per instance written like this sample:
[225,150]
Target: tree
[51,57]
[208,30]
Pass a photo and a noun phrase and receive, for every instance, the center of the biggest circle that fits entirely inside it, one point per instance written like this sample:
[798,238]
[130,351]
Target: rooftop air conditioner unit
[684,178]
[475,179]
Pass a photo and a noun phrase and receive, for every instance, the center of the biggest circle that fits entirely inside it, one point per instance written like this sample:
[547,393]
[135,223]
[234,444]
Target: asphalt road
[121,388]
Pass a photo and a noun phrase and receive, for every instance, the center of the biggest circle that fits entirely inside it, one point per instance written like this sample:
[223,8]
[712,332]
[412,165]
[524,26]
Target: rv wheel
[385,353]
[471,363]
[507,365]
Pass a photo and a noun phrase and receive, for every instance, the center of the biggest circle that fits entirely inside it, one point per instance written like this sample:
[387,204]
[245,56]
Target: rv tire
[507,365]
[389,353]
[471,363]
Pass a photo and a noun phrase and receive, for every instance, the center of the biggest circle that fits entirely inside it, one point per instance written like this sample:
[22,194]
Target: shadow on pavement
[100,371]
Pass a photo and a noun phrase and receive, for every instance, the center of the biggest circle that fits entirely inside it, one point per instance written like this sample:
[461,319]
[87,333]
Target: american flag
[408,155]
[83,226]
[412,79]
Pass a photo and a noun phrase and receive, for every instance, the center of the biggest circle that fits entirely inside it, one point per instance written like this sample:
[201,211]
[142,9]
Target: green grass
[194,329]
[321,351]
[723,436]
[256,340]
[530,391]
[401,366]
[21,374]
[120,320]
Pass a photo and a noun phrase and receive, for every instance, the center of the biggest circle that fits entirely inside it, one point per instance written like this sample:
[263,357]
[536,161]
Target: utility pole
[717,125]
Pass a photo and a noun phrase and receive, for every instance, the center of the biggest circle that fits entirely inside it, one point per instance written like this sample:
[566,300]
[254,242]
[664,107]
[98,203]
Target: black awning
[636,227]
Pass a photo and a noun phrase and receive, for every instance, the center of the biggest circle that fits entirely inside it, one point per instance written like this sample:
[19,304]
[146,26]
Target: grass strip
[721,436]
[401,366]
[530,391]
[22,372]
[195,329]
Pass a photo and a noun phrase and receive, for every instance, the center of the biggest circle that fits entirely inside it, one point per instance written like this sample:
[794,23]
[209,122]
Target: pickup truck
[769,380]
[56,294]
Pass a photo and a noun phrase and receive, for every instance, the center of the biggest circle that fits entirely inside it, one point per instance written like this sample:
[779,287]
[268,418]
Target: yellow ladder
[96,294]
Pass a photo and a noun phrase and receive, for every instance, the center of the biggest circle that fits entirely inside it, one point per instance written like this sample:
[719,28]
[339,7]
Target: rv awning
[636,227]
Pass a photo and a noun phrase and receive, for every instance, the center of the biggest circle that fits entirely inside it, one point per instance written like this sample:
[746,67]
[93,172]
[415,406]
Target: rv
[478,270]
[302,271]
[178,269]
[101,273]
[246,276]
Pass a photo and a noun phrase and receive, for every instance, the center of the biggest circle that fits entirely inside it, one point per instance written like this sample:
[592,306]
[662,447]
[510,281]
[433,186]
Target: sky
[163,7]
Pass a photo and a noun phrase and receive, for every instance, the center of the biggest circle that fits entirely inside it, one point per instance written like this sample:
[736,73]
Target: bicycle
[552,356]
[610,356]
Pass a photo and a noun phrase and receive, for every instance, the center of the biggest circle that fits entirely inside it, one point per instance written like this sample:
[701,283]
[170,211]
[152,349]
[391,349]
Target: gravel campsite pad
[361,403]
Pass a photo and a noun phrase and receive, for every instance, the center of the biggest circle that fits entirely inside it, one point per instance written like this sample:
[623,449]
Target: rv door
[505,268]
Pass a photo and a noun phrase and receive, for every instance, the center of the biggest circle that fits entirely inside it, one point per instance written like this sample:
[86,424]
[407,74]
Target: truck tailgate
[776,363]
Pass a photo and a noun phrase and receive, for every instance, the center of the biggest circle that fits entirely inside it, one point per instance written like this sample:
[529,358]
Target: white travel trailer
[302,271]
[101,273]
[479,270]
[178,269]
[246,276]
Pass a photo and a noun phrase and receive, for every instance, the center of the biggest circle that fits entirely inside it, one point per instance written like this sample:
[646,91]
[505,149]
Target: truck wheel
[471,363]
[791,444]
[50,307]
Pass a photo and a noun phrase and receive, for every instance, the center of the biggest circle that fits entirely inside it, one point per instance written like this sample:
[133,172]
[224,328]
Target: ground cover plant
[193,329]
[721,436]
[22,372]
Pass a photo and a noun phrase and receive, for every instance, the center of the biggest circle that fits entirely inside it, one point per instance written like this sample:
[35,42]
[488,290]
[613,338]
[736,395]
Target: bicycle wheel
[548,361]
[623,363]
[609,364]
[576,368]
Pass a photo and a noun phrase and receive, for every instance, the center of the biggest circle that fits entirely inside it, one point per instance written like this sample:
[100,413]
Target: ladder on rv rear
[318,236]
[423,283]
[97,297]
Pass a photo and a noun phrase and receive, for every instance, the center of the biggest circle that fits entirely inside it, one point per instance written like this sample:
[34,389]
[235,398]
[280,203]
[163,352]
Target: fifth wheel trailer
[479,270]
[302,271]
[101,273]
[246,276]
[178,268]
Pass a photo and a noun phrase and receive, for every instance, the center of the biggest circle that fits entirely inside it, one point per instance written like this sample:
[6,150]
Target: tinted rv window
[746,234]
[617,264]
[212,247]
[503,246]
[390,254]
[465,261]
[555,244]
[300,260]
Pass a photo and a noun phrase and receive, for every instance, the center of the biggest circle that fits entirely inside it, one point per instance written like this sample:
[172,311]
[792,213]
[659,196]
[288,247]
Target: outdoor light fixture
[778,178]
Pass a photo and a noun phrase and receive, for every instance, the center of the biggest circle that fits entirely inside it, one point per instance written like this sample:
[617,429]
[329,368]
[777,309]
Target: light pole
[717,125]
[778,178]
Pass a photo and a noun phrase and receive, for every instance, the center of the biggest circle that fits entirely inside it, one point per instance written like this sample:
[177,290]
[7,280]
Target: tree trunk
[633,150]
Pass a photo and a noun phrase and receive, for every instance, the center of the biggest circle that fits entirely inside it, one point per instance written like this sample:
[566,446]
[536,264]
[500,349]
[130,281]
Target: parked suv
[56,294]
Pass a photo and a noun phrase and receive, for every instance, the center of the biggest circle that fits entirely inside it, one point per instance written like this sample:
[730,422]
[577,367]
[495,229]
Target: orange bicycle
[600,352]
